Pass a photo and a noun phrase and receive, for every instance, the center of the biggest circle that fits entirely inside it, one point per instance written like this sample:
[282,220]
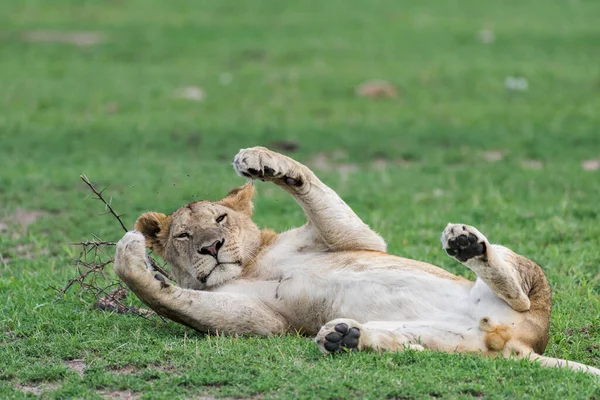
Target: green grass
[108,110]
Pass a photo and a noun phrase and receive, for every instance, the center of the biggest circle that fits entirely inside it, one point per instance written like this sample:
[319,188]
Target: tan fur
[496,335]
[267,237]
[534,331]
[156,228]
[237,279]
[240,199]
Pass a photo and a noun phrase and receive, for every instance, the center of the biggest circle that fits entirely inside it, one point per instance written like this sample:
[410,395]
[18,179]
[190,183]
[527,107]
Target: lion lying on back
[332,277]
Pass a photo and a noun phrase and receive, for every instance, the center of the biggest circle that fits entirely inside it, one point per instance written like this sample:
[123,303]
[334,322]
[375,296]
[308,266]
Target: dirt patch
[585,330]
[37,390]
[77,366]
[377,89]
[532,164]
[493,155]
[335,162]
[486,36]
[112,107]
[591,165]
[112,302]
[119,394]
[473,392]
[193,93]
[211,397]
[125,370]
[164,368]
[516,83]
[29,251]
[78,38]
[21,218]
[379,162]
[331,162]
[593,348]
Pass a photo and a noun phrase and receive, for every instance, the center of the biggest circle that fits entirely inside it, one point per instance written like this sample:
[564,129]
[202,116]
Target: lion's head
[207,243]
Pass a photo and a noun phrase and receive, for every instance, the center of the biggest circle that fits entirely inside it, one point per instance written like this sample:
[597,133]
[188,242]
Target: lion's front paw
[339,335]
[266,165]
[131,253]
[463,242]
[132,241]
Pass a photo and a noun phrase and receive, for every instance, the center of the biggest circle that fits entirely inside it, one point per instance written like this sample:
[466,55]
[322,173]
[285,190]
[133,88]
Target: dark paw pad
[292,182]
[342,339]
[268,171]
[465,247]
[162,280]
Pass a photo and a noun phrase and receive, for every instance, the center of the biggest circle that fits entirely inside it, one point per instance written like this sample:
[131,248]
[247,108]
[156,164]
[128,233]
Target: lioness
[332,277]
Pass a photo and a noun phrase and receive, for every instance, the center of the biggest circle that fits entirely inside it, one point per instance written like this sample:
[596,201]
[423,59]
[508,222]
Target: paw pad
[260,163]
[342,338]
[162,280]
[465,247]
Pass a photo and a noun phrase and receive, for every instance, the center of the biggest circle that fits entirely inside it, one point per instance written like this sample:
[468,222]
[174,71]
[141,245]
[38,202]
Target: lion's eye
[221,218]
[183,235]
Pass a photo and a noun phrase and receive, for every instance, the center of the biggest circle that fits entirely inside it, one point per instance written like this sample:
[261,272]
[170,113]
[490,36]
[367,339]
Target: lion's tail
[560,363]
[550,362]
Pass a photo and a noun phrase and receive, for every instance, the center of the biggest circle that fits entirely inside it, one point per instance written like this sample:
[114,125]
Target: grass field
[93,87]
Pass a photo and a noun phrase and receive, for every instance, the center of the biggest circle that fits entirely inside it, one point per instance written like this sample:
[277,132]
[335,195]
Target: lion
[332,277]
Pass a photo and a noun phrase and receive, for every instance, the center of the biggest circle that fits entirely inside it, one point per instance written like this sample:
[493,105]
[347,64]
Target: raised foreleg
[332,221]
[205,311]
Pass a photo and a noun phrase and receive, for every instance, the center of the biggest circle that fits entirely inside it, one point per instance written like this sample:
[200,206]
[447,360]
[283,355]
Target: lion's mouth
[205,277]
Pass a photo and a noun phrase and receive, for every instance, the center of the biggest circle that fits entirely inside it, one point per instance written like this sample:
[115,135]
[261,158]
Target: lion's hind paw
[463,242]
[339,335]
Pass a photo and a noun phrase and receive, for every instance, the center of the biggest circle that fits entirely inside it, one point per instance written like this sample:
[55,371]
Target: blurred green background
[416,112]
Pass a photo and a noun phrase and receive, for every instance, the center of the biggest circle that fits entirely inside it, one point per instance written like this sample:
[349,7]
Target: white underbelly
[484,303]
[310,298]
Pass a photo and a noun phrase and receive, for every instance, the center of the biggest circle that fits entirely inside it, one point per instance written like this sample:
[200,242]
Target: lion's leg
[329,217]
[495,265]
[205,311]
[347,334]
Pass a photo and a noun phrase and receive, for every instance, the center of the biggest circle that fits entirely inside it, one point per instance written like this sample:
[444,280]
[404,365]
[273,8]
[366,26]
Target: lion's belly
[310,298]
[312,289]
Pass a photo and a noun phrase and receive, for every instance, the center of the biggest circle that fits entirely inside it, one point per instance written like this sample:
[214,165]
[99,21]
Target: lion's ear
[155,228]
[240,199]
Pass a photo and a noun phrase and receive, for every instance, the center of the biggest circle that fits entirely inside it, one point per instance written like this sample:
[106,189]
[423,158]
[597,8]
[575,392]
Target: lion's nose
[213,249]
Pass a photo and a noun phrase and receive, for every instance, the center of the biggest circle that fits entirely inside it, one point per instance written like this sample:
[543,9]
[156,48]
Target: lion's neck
[267,236]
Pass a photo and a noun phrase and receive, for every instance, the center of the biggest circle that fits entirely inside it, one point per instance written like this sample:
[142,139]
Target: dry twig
[91,264]
[101,198]
[93,243]
[108,206]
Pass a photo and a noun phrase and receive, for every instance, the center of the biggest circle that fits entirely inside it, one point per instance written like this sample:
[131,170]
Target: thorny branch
[91,264]
[118,218]
[101,198]
[93,243]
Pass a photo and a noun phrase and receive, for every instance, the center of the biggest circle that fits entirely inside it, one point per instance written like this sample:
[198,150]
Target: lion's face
[206,243]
